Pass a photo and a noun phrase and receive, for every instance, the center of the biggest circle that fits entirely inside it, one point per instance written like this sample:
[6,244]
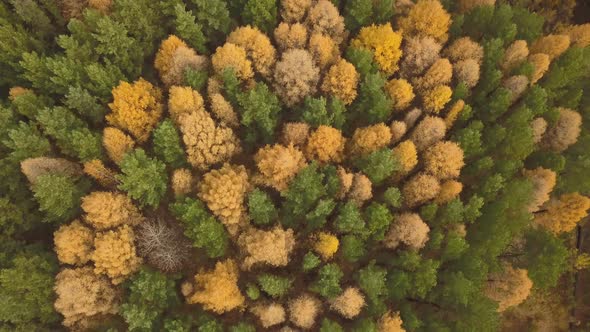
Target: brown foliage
[464,48]
[295,133]
[324,18]
[270,315]
[429,131]
[467,71]
[114,254]
[35,167]
[541,63]
[105,176]
[217,290]
[514,55]
[449,190]
[107,210]
[539,126]
[182,59]
[509,287]
[563,133]
[116,143]
[278,165]
[439,73]
[517,85]
[544,181]
[223,110]
[325,144]
[81,294]
[73,243]
[290,35]
[398,130]
[294,10]
[466,5]
[304,310]
[407,229]
[361,189]
[295,76]
[349,304]
[345,181]
[390,322]
[271,247]
[419,53]
[420,189]
[579,34]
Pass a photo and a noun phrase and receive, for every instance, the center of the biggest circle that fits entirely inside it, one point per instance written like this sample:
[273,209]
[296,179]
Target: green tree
[378,220]
[274,285]
[359,13]
[327,283]
[144,178]
[393,197]
[349,219]
[310,262]
[261,208]
[372,105]
[213,17]
[167,146]
[372,281]
[545,257]
[352,248]
[259,110]
[59,195]
[261,14]
[201,227]
[188,29]
[378,165]
[150,294]
[330,326]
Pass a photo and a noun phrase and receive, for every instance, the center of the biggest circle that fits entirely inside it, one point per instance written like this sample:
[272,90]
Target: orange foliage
[325,144]
[232,56]
[552,45]
[107,210]
[105,176]
[324,50]
[562,215]
[444,160]
[290,35]
[427,18]
[420,189]
[509,287]
[258,48]
[341,81]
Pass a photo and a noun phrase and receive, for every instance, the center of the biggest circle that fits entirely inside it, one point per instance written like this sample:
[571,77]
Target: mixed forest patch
[248,165]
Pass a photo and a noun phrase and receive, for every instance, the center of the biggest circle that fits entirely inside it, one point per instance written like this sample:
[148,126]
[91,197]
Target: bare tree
[162,245]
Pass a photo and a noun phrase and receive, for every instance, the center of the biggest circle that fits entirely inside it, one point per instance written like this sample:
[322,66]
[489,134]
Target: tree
[261,208]
[465,6]
[32,168]
[349,304]
[216,290]
[104,176]
[325,144]
[391,321]
[58,195]
[95,296]
[562,214]
[440,73]
[434,100]
[401,92]
[167,145]
[162,245]
[323,18]
[271,247]
[143,178]
[565,132]
[275,286]
[378,165]
[546,258]
[407,229]
[384,43]
[429,130]
[188,29]
[508,287]
[150,293]
[224,191]
[430,11]
[270,315]
[369,139]
[378,219]
[106,210]
[201,227]
[324,50]
[294,10]
[359,13]
[73,243]
[114,254]
[260,113]
[294,35]
[257,45]
[214,17]
[138,120]
[349,219]
[295,76]
[419,54]
[261,14]
[444,160]
[326,245]
[303,311]
[405,152]
[420,189]
[327,283]
[552,45]
[341,81]
[372,281]
[116,143]
[26,293]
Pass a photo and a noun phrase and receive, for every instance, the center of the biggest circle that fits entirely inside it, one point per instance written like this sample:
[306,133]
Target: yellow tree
[73,243]
[277,165]
[290,35]
[232,56]
[552,45]
[324,50]
[323,18]
[271,247]
[294,10]
[258,48]
[384,43]
[184,100]
[341,81]
[348,304]
[401,92]
[391,322]
[368,139]
[108,209]
[136,108]
[325,144]
[216,290]
[406,154]
[116,143]
[420,189]
[444,160]
[544,181]
[105,176]
[509,287]
[562,215]
[435,99]
[114,254]
[427,18]
[326,245]
[303,311]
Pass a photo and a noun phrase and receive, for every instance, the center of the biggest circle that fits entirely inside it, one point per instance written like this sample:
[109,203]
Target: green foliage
[261,208]
[352,248]
[310,262]
[252,292]
[393,197]
[167,146]
[411,275]
[372,281]
[242,327]
[378,219]
[545,257]
[85,104]
[362,59]
[349,219]
[327,283]
[26,290]
[259,110]
[372,104]
[378,165]
[201,227]
[319,111]
[58,196]
[261,14]
[143,178]
[330,326]
[188,29]
[196,79]
[25,141]
[274,285]
[213,17]
[150,294]
[359,13]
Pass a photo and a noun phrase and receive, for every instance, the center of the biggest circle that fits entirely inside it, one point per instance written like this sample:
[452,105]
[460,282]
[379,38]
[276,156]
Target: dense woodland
[291,165]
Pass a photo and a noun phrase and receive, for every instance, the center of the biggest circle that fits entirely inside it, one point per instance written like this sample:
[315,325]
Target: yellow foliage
[182,182]
[552,45]
[540,62]
[427,18]
[509,287]
[326,245]
[105,176]
[436,99]
[108,209]
[464,49]
[439,73]
[341,81]
[116,143]
[163,61]
[218,290]
[269,315]
[81,294]
[579,34]
[398,130]
[182,59]
[562,215]
[325,144]
[206,143]
[258,48]
[136,108]
[401,92]
[368,139]
[232,56]
[278,164]
[349,304]
[271,247]
[17,91]
[223,110]
[384,43]
[184,100]
[543,181]
[114,254]
[73,243]
[324,50]
[325,19]
[224,190]
[345,180]
[390,322]
[294,10]
[406,154]
[449,190]
[444,160]
[514,55]
[453,113]
[304,310]
[290,35]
